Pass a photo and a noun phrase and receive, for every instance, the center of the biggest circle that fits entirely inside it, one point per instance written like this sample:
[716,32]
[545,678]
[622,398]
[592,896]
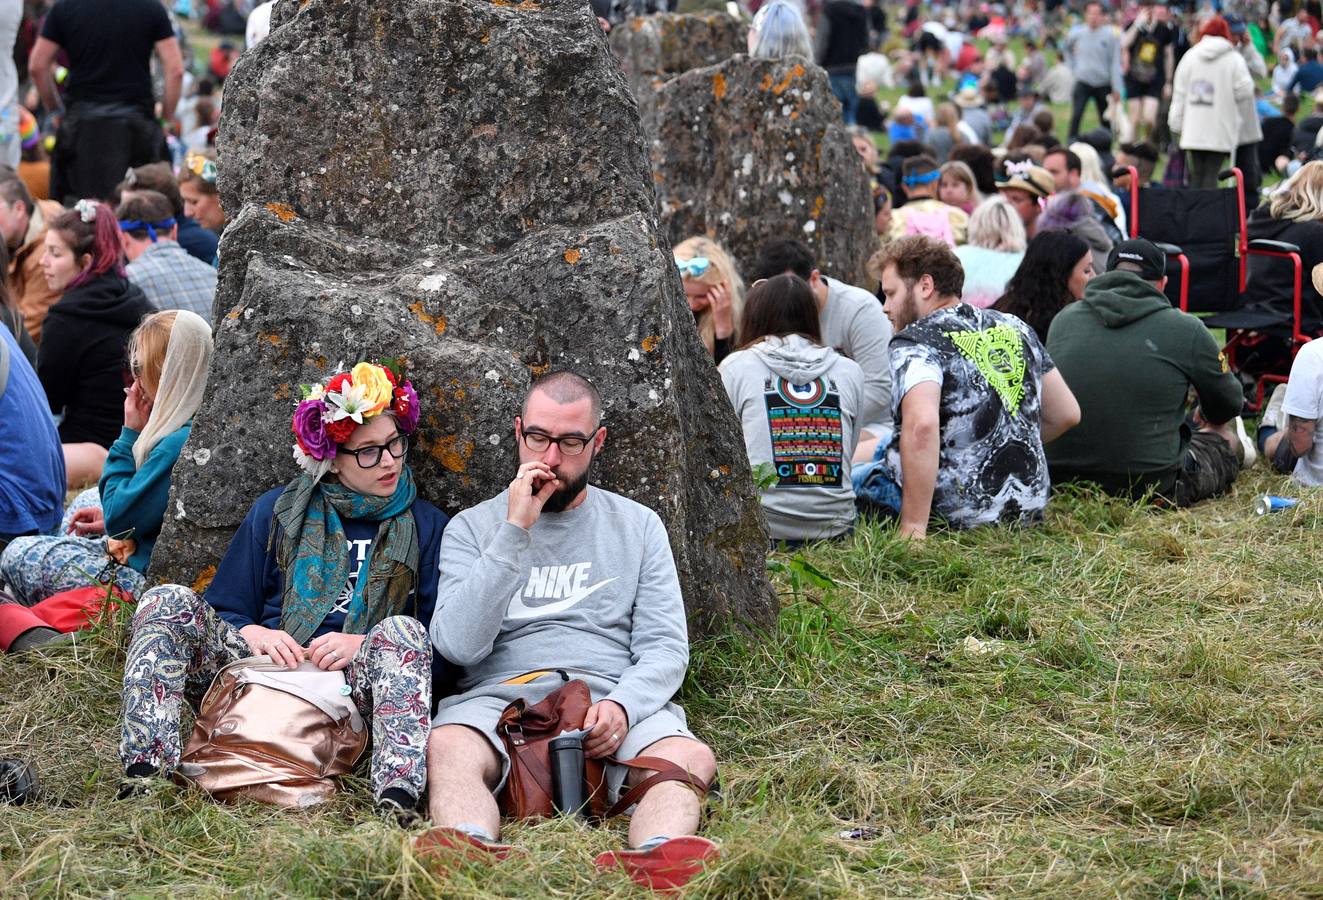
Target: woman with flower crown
[339,567]
[81,357]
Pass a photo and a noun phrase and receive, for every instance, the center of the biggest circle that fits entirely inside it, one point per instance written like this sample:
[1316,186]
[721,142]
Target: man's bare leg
[462,771]
[671,808]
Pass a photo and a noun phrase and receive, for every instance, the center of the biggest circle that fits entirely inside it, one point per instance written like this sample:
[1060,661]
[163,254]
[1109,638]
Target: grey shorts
[480,709]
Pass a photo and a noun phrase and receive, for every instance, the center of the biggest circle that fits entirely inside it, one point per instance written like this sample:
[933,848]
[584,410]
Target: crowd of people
[1013,337]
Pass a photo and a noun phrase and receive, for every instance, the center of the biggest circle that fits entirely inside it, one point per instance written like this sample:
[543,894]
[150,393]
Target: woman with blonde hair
[108,531]
[1096,186]
[1294,215]
[994,251]
[957,187]
[714,290]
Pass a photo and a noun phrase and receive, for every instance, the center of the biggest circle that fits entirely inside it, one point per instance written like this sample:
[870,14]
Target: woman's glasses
[369,457]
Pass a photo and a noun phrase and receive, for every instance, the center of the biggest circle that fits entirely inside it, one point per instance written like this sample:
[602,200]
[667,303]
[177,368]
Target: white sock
[476,831]
[654,842]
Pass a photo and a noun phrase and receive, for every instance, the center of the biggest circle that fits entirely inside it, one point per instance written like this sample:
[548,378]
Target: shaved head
[565,387]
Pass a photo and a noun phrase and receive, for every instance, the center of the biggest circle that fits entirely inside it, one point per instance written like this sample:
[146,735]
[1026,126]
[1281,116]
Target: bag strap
[663,770]
[529,677]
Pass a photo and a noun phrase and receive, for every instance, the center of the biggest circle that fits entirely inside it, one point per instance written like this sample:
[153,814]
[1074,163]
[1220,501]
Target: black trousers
[1247,160]
[1080,95]
[96,144]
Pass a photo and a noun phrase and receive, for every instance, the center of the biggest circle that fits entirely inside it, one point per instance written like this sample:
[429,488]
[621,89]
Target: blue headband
[914,180]
[136,225]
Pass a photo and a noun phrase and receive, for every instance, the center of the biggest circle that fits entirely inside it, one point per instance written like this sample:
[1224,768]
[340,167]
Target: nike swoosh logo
[519,610]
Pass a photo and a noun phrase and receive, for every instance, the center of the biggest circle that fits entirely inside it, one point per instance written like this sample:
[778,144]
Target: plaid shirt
[172,279]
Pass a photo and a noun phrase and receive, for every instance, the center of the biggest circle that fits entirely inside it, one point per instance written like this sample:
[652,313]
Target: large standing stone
[753,149]
[654,49]
[463,183]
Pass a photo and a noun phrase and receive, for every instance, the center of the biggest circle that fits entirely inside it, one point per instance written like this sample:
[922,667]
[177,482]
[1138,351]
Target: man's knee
[457,750]
[689,754]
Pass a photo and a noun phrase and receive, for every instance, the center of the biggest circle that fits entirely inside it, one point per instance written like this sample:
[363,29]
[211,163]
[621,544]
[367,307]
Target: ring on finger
[335,654]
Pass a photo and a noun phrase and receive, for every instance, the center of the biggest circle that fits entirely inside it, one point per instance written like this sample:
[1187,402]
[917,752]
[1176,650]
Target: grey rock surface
[654,49]
[462,183]
[753,149]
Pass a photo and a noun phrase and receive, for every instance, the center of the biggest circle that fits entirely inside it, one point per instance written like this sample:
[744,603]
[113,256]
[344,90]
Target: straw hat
[968,97]
[1027,177]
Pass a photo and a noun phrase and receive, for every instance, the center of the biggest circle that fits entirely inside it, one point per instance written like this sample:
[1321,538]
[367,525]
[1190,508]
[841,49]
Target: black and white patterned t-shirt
[990,367]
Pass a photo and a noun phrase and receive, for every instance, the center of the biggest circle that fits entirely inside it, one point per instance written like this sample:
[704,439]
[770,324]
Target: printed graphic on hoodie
[805,424]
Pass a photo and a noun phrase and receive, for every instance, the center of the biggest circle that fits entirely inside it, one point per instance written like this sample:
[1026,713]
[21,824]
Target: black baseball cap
[1151,261]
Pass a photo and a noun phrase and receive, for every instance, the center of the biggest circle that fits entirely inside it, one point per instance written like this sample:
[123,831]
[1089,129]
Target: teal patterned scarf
[314,556]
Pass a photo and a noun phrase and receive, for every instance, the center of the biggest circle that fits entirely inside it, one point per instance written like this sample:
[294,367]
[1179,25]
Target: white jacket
[1211,86]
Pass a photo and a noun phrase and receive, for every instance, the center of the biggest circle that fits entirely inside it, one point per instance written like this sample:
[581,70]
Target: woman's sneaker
[665,867]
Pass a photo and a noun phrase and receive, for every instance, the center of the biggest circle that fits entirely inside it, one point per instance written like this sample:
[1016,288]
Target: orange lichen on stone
[282,391]
[203,580]
[724,470]
[488,131]
[486,36]
[438,321]
[781,86]
[452,453]
[636,23]
[571,256]
[232,314]
[818,205]
[526,4]
[719,86]
[543,369]
[282,211]
[650,343]
[274,340]
[320,362]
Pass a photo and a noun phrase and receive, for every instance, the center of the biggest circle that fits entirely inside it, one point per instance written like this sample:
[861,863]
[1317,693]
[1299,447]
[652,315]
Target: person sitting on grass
[169,277]
[714,290]
[109,531]
[1132,358]
[1288,435]
[975,398]
[338,567]
[32,484]
[799,403]
[923,213]
[555,573]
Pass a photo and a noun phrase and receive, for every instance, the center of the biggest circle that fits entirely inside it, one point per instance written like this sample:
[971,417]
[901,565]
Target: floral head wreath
[201,167]
[86,210]
[329,412]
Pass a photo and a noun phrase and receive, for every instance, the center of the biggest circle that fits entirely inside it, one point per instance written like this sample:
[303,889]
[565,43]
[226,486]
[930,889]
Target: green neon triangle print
[998,354]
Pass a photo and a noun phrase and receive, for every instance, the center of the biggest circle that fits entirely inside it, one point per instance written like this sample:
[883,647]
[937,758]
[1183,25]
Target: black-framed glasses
[369,457]
[569,444]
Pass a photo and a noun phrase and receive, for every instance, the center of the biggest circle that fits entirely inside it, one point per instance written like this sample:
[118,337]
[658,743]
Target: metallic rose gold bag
[273,734]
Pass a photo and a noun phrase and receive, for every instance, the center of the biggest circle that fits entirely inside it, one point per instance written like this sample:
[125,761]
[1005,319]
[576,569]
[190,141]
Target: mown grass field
[1145,718]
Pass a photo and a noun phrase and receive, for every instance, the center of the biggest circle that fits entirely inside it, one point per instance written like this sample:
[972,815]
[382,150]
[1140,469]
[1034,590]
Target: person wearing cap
[338,568]
[1208,100]
[1131,359]
[167,274]
[923,213]
[1025,188]
[1093,52]
[975,397]
[1240,36]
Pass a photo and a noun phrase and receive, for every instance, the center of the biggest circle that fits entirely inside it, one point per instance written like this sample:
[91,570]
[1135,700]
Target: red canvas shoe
[666,867]
[447,844]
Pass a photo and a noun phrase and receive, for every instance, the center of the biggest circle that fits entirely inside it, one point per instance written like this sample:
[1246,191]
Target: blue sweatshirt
[32,482]
[134,500]
[249,585]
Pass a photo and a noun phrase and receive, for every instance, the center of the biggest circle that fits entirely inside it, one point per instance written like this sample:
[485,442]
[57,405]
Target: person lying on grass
[556,574]
[338,567]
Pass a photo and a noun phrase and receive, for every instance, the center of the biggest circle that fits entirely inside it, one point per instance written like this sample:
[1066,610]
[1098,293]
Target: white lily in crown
[348,404]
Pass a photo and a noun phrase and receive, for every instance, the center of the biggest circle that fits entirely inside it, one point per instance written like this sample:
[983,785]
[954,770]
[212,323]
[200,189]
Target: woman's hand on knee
[334,650]
[273,643]
[87,521]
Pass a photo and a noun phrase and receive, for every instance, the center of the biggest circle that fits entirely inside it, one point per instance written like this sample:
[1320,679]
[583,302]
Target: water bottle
[569,793]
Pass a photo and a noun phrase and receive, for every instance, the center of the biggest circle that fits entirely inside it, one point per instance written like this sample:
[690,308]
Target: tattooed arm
[1289,445]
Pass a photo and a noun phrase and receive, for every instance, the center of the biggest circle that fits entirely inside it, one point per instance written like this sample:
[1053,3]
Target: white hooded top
[1208,96]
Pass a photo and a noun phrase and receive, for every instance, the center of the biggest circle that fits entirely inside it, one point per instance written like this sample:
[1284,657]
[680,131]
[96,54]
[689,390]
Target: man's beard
[564,495]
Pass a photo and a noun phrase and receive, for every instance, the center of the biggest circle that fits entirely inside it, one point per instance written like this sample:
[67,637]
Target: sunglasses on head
[693,268]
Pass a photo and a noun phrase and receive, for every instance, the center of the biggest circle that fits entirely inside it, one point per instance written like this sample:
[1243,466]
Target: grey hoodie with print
[799,405]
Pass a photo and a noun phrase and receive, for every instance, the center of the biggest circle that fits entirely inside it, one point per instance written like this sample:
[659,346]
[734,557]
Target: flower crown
[329,412]
[86,210]
[202,167]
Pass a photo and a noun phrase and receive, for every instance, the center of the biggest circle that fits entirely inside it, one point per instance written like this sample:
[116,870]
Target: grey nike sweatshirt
[592,589]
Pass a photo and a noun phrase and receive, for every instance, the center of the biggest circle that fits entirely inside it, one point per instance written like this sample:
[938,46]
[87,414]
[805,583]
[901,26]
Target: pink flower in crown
[405,406]
[309,429]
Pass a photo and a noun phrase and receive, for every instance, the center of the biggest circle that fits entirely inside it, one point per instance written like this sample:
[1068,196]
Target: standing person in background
[1093,52]
[843,36]
[1148,45]
[23,223]
[111,123]
[1212,85]
[11,145]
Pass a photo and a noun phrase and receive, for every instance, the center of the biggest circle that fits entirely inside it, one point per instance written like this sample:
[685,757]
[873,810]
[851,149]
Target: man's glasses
[369,457]
[693,268]
[569,444]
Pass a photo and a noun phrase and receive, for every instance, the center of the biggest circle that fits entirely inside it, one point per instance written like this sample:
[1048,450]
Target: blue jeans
[842,86]
[876,490]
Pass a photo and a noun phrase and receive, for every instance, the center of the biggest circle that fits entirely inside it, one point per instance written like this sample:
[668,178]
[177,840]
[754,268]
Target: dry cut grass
[1121,703]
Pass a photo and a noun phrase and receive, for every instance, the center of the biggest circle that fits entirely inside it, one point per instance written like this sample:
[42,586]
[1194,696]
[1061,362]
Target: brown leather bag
[526,731]
[273,734]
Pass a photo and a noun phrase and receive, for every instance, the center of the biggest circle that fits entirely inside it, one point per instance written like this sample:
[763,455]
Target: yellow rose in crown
[376,385]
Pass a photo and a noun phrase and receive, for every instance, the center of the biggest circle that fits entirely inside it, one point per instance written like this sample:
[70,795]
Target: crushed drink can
[1267,503]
